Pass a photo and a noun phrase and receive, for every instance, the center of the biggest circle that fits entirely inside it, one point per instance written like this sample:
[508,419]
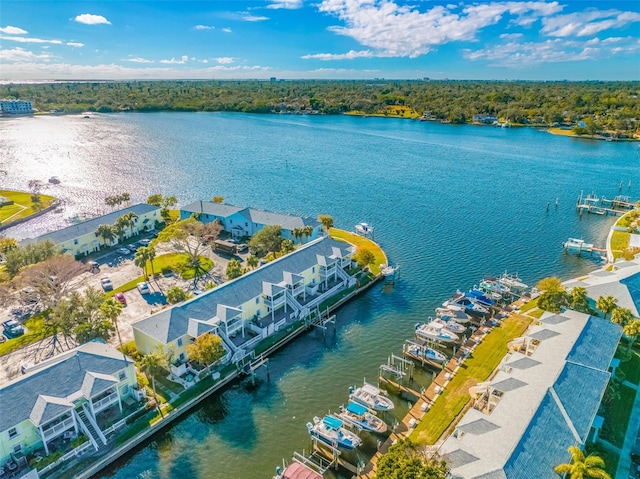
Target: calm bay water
[449,204]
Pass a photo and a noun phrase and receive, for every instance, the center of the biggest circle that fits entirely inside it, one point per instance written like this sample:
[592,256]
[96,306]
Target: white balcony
[57,429]
[105,402]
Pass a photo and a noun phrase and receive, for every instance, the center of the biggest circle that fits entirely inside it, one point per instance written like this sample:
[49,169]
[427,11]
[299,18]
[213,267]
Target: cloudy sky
[334,39]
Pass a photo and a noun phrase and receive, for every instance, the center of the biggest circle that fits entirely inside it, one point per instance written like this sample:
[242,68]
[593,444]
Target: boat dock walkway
[425,400]
[604,206]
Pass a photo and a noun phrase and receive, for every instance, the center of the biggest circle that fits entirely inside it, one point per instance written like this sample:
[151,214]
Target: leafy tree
[327,221]
[165,202]
[364,257]
[234,269]
[35,187]
[287,247]
[252,261]
[218,199]
[579,300]
[188,236]
[153,364]
[267,240]
[19,257]
[405,460]
[554,296]
[107,233]
[176,294]
[581,467]
[606,304]
[6,245]
[155,199]
[89,318]
[111,310]
[206,349]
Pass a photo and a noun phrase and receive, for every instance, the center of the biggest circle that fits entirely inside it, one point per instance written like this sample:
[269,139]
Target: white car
[144,242]
[106,284]
[123,251]
[143,288]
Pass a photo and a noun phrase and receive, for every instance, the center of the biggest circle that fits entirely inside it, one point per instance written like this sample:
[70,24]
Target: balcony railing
[105,402]
[58,429]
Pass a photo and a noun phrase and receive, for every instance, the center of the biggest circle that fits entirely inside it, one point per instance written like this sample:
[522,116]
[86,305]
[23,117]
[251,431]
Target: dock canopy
[332,422]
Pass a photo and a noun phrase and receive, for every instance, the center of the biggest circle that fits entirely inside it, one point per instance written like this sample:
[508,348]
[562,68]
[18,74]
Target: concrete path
[625,465]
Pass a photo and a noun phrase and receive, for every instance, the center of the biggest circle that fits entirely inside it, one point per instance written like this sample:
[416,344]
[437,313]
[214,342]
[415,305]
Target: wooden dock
[604,206]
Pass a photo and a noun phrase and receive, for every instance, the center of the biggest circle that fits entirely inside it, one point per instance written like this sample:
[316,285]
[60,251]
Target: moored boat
[424,352]
[453,315]
[330,430]
[435,332]
[360,416]
[54,180]
[479,297]
[364,229]
[372,397]
[296,470]
[450,325]
[512,281]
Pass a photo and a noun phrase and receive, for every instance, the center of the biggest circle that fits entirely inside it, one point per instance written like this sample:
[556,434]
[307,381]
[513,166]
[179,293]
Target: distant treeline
[613,105]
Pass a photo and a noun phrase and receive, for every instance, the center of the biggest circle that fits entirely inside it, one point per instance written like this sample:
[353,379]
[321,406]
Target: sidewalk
[624,465]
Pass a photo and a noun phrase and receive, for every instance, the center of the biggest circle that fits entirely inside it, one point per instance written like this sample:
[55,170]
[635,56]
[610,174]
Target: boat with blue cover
[362,417]
[372,397]
[424,352]
[330,430]
[479,297]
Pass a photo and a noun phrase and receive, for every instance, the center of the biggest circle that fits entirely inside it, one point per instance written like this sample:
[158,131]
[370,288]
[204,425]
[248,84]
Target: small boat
[435,332]
[330,431]
[54,180]
[364,229]
[372,397]
[512,281]
[453,315]
[478,296]
[492,285]
[296,470]
[449,325]
[425,352]
[360,416]
[461,302]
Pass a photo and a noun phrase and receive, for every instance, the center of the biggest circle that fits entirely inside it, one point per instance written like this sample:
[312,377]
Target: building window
[179,342]
[257,299]
[17,448]
[246,224]
[13,432]
[75,241]
[313,270]
[122,375]
[181,357]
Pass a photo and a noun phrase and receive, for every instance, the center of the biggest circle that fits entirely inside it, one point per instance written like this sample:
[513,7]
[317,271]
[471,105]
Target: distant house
[62,398]
[16,107]
[252,307]
[240,221]
[82,238]
[544,398]
[484,118]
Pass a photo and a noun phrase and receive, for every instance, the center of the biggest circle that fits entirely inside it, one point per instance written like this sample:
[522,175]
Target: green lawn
[476,368]
[22,205]
[619,243]
[177,262]
[361,242]
[616,416]
[36,331]
[528,306]
[629,364]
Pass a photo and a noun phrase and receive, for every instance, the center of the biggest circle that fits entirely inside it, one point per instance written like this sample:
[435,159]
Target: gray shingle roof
[170,324]
[59,377]
[210,208]
[47,408]
[287,222]
[597,344]
[90,226]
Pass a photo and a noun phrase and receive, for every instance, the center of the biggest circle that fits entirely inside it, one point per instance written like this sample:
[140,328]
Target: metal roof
[210,208]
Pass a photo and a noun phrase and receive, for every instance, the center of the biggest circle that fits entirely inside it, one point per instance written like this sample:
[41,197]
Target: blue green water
[448,203]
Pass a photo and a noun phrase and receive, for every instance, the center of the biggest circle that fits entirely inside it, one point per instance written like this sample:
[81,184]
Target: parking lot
[120,269]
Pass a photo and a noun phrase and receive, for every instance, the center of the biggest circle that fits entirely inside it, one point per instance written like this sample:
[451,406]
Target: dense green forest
[605,105]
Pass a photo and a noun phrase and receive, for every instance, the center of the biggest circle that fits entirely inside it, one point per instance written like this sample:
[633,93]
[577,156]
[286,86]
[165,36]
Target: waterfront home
[484,118]
[82,238]
[16,107]
[239,222]
[544,398]
[79,392]
[252,307]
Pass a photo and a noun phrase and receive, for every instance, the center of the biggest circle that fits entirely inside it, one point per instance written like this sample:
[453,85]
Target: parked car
[242,247]
[143,288]
[106,284]
[123,251]
[132,247]
[29,295]
[120,297]
[144,242]
[12,328]
[93,265]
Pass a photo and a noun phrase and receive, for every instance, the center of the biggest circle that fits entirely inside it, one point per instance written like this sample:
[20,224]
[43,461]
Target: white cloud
[183,59]
[350,55]
[203,27]
[75,44]
[393,30]
[226,30]
[224,60]
[286,4]
[12,30]
[29,40]
[18,55]
[247,17]
[589,22]
[511,36]
[90,19]
[137,60]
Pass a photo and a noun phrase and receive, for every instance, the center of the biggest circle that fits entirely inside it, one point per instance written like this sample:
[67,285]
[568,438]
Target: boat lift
[397,367]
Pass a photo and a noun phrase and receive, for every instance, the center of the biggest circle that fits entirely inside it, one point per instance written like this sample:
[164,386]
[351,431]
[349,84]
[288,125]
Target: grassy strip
[616,415]
[21,198]
[528,306]
[178,262]
[361,242]
[629,364]
[476,368]
[562,132]
[126,286]
[170,385]
[36,331]
[619,243]
[536,313]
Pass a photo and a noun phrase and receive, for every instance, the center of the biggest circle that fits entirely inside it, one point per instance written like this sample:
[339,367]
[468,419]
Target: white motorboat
[330,430]
[360,416]
[372,397]
[435,332]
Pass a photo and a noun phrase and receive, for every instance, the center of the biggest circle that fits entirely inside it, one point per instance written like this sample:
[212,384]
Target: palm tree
[152,365]
[579,300]
[111,309]
[307,231]
[621,316]
[107,233]
[327,221]
[252,261]
[631,330]
[140,260]
[297,233]
[606,304]
[130,220]
[581,467]
[119,226]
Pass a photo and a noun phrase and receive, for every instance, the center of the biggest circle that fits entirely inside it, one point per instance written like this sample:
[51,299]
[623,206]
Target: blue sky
[320,39]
